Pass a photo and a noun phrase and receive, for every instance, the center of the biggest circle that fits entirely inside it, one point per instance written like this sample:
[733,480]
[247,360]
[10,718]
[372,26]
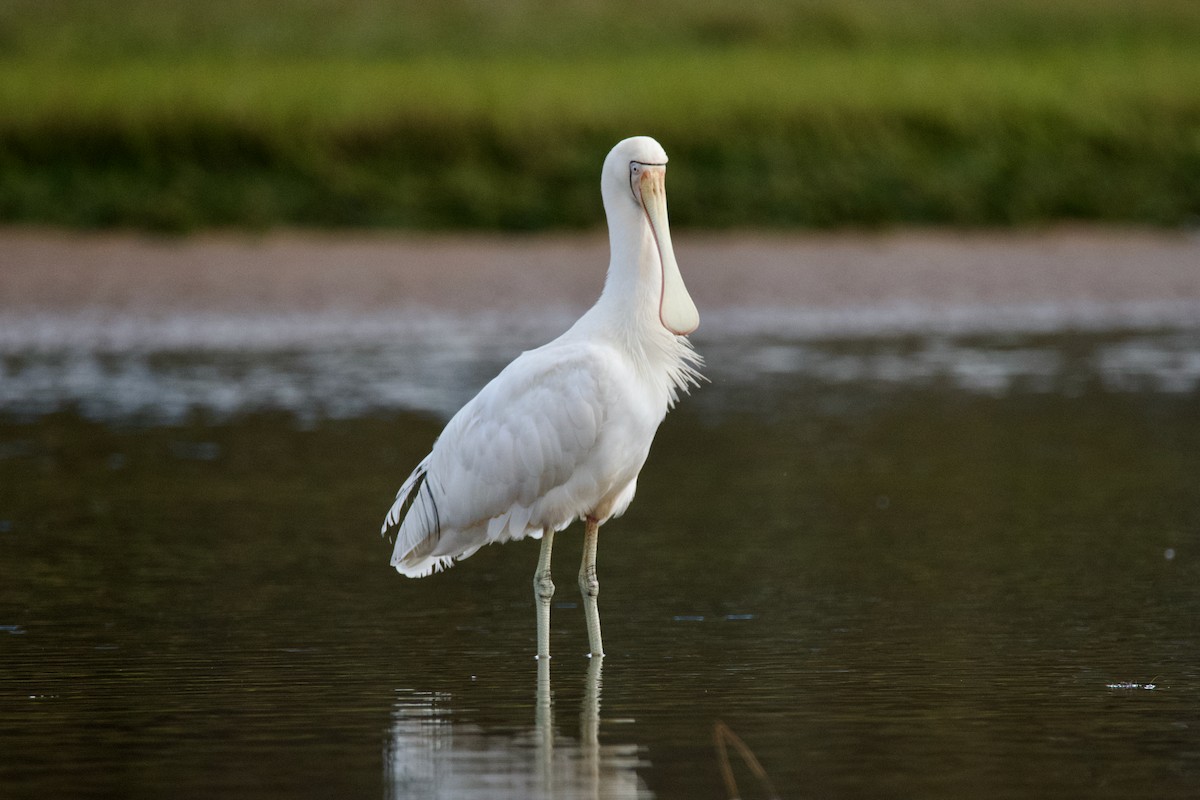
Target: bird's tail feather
[409,497]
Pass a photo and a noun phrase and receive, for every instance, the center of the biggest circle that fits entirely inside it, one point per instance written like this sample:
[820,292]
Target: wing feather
[504,465]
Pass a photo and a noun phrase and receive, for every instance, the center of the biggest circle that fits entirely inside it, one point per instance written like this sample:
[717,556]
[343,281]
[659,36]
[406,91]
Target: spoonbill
[563,431]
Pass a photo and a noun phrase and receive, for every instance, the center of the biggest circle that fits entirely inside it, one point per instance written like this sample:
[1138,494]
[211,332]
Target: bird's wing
[524,435]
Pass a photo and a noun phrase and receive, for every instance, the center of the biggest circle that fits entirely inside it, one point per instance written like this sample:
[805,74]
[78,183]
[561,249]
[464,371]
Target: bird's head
[633,184]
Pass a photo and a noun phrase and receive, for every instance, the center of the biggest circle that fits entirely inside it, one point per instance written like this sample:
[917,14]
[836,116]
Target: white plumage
[563,431]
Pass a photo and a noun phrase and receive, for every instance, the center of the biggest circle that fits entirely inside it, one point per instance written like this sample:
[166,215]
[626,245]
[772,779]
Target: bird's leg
[589,586]
[543,591]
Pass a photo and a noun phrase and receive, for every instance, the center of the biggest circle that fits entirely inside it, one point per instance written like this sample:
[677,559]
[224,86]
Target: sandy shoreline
[54,271]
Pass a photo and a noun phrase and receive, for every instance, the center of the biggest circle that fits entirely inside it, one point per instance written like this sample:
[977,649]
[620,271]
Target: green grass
[820,113]
[99,30]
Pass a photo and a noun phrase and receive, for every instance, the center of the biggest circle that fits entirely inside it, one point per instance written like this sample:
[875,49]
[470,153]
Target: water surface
[925,563]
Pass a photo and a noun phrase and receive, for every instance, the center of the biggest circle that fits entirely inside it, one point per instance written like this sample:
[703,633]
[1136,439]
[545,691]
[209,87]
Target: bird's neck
[627,313]
[633,286]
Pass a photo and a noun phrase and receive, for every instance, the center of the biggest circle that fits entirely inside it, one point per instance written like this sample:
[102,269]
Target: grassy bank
[818,114]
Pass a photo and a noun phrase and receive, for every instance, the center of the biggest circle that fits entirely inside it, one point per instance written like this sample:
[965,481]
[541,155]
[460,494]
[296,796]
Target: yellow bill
[676,310]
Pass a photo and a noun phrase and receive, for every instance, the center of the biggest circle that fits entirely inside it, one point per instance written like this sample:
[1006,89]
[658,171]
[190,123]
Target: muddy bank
[43,270]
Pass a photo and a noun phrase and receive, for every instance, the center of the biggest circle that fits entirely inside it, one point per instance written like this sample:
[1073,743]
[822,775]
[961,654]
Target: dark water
[916,566]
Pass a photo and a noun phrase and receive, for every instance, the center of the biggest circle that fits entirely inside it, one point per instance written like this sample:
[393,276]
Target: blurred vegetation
[496,115]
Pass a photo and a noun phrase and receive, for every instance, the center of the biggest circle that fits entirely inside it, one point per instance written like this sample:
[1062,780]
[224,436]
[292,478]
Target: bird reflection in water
[433,755]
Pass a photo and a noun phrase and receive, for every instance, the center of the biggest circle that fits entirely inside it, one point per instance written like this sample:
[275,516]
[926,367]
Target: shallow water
[911,565]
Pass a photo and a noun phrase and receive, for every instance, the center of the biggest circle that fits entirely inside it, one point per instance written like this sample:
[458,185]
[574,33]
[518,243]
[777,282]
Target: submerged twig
[722,733]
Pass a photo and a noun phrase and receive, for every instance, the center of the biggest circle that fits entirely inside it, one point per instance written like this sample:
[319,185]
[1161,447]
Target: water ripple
[113,366]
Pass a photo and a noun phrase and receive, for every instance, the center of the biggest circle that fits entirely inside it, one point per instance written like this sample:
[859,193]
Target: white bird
[563,431]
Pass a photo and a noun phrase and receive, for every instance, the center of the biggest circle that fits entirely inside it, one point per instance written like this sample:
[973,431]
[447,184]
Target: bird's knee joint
[543,587]
[589,585]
